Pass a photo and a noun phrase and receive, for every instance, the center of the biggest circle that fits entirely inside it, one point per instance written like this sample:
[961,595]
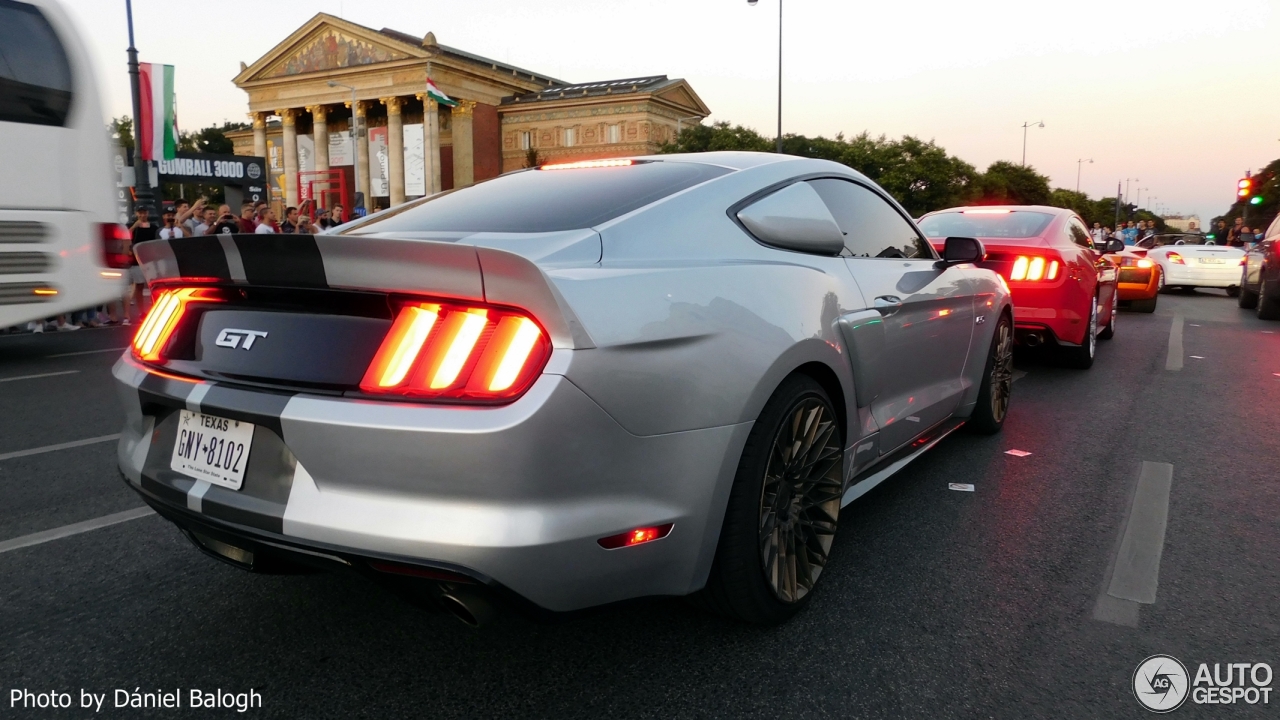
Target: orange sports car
[1139,279]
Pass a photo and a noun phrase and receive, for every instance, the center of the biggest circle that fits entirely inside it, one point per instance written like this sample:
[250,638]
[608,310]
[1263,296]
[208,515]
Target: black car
[1260,276]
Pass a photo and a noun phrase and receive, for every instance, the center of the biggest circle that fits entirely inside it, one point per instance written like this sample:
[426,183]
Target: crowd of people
[1238,235]
[185,219]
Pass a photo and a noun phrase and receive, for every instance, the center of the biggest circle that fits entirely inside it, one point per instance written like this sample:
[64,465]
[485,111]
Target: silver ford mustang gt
[563,387]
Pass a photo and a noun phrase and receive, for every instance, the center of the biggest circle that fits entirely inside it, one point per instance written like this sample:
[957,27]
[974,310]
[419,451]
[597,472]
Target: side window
[1078,234]
[872,227]
[35,78]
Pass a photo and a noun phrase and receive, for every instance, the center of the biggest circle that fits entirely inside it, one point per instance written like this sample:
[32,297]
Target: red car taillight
[458,352]
[1034,268]
[115,245]
[162,320]
[1175,258]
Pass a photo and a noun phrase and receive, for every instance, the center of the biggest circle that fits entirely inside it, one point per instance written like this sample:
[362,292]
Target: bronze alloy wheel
[800,499]
[1002,372]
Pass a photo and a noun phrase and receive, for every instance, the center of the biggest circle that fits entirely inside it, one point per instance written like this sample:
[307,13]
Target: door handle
[887,304]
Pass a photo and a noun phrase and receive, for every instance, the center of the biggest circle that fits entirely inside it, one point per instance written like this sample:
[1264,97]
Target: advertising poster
[415,169]
[341,149]
[306,153]
[379,161]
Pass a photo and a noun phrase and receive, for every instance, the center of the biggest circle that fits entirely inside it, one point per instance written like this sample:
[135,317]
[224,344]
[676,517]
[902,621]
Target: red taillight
[635,537]
[115,245]
[162,320]
[458,352]
[1175,258]
[1033,268]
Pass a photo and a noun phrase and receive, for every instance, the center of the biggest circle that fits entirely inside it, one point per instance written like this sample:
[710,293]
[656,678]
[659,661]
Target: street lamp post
[753,3]
[1138,204]
[356,134]
[1126,189]
[141,172]
[680,124]
[1079,164]
[1025,125]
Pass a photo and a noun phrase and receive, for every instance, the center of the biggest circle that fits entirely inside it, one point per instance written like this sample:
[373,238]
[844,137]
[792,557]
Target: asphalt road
[937,603]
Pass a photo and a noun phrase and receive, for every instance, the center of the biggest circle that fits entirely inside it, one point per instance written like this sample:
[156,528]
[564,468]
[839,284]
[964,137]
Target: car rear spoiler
[439,269]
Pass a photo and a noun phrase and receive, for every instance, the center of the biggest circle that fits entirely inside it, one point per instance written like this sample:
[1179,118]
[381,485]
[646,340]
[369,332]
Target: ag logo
[1160,683]
[232,337]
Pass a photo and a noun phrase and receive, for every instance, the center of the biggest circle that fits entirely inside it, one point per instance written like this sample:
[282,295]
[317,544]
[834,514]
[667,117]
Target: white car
[1186,261]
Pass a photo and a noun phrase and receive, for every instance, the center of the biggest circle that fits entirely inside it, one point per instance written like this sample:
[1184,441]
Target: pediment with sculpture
[332,49]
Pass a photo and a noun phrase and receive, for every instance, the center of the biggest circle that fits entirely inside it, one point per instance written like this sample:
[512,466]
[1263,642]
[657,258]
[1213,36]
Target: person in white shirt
[171,227]
[1099,235]
[266,222]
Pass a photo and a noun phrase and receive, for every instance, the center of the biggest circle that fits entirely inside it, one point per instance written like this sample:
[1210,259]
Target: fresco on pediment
[331,51]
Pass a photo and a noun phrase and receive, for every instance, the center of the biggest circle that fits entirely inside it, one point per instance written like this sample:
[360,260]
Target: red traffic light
[1246,187]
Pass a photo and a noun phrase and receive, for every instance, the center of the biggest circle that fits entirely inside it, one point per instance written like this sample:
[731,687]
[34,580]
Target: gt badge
[232,337]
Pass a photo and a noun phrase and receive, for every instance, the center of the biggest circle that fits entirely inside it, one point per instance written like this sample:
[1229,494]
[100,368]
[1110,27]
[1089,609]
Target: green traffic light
[1210,236]
[1257,200]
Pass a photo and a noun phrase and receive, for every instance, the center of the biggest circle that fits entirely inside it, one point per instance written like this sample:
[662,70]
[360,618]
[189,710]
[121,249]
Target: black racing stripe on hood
[282,260]
[201,257]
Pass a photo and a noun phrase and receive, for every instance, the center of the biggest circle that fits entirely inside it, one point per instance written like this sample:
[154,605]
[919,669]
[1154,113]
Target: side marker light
[639,536]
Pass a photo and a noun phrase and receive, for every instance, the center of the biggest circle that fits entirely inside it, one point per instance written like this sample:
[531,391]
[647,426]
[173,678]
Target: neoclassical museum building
[304,93]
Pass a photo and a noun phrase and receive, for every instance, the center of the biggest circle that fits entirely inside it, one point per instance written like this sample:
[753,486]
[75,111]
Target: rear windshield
[991,224]
[533,201]
[1161,240]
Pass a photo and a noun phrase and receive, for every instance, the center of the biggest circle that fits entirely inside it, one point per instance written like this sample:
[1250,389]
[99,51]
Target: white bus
[61,246]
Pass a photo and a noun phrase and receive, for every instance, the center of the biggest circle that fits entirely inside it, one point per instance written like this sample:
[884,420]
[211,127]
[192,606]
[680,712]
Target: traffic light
[1256,200]
[1245,189]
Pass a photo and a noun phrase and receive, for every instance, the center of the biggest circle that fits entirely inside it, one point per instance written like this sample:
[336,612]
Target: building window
[570,137]
[526,139]
[615,133]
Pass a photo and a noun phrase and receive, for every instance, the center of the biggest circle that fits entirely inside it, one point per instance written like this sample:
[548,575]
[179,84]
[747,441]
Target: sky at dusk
[1177,94]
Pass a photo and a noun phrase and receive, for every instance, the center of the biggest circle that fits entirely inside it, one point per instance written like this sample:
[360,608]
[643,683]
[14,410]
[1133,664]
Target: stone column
[288,118]
[320,126]
[362,151]
[431,126]
[395,148]
[464,173]
[259,134]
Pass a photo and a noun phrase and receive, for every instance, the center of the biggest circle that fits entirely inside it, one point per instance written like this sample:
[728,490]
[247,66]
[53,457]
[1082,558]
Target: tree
[531,158]
[719,136]
[1006,183]
[121,131]
[212,139]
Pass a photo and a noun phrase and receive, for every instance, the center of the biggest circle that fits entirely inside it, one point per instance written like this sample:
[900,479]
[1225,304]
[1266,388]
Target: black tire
[1268,303]
[1233,291]
[997,382]
[740,585]
[1081,357]
[1144,306]
[1110,331]
[1248,299]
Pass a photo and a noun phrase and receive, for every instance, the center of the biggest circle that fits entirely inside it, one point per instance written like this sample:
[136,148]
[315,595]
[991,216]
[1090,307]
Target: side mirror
[794,218]
[960,250]
[1112,245]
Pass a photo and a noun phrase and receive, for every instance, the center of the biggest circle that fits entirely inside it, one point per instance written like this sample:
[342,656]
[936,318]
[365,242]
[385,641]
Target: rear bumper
[1044,311]
[1138,283]
[515,497]
[1226,276]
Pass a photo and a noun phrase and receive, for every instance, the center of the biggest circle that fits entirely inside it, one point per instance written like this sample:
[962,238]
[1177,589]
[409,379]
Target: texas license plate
[212,448]
[1212,261]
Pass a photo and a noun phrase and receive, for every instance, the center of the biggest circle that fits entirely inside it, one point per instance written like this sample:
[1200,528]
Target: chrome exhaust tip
[1032,340]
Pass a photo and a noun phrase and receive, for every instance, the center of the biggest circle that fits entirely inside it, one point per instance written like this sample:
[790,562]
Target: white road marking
[74,529]
[87,352]
[1173,361]
[962,487]
[1017,453]
[1197,357]
[59,446]
[1137,568]
[1193,325]
[41,375]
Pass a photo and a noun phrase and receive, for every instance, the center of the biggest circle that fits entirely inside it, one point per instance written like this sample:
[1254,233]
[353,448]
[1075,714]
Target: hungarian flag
[158,126]
[434,93]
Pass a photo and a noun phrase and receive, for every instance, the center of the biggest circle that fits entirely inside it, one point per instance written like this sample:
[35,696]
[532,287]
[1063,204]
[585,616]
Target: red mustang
[1064,290]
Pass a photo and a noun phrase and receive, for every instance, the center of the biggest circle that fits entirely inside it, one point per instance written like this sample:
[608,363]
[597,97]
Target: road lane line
[1174,360]
[41,375]
[1137,567]
[74,529]
[59,446]
[87,352]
